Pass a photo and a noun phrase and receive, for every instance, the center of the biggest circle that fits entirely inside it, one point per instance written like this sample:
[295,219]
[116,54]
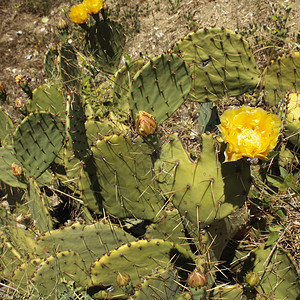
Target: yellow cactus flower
[79,14]
[93,6]
[249,132]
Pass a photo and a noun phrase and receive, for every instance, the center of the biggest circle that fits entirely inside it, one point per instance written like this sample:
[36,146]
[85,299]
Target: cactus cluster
[146,219]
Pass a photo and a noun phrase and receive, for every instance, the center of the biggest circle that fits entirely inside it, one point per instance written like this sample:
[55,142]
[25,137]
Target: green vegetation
[93,210]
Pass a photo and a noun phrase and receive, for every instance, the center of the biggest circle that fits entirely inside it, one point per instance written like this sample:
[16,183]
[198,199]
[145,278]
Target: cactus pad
[169,227]
[160,87]
[283,75]
[6,126]
[105,42]
[138,259]
[203,190]
[162,284]
[279,278]
[293,119]
[6,173]
[221,63]
[38,204]
[53,274]
[124,171]
[89,241]
[37,141]
[48,98]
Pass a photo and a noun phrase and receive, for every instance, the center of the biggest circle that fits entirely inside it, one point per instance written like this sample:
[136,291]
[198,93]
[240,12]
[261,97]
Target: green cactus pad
[51,67]
[6,172]
[221,63]
[279,277]
[48,97]
[37,141]
[23,240]
[9,256]
[122,85]
[95,130]
[163,285]
[6,126]
[281,76]
[23,273]
[69,69]
[53,274]
[203,190]
[75,126]
[105,42]
[169,227]
[222,231]
[138,259]
[127,182]
[89,241]
[39,207]
[228,292]
[292,130]
[160,87]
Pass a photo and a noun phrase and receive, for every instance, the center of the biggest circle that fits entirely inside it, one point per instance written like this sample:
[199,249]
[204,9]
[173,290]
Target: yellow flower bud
[93,6]
[252,279]
[20,79]
[196,279]
[249,132]
[62,24]
[145,124]
[79,14]
[17,171]
[123,279]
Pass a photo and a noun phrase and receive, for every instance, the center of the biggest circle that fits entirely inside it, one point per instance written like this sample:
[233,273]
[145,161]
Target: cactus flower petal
[79,14]
[249,132]
[93,6]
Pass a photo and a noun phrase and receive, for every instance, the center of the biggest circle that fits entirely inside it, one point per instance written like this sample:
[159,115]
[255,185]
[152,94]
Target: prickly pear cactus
[89,241]
[282,76]
[10,256]
[277,274]
[137,259]
[162,284]
[127,183]
[39,206]
[52,275]
[51,67]
[169,227]
[6,128]
[48,97]
[221,62]
[8,160]
[293,118]
[228,292]
[203,190]
[122,80]
[37,141]
[160,87]
[105,41]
